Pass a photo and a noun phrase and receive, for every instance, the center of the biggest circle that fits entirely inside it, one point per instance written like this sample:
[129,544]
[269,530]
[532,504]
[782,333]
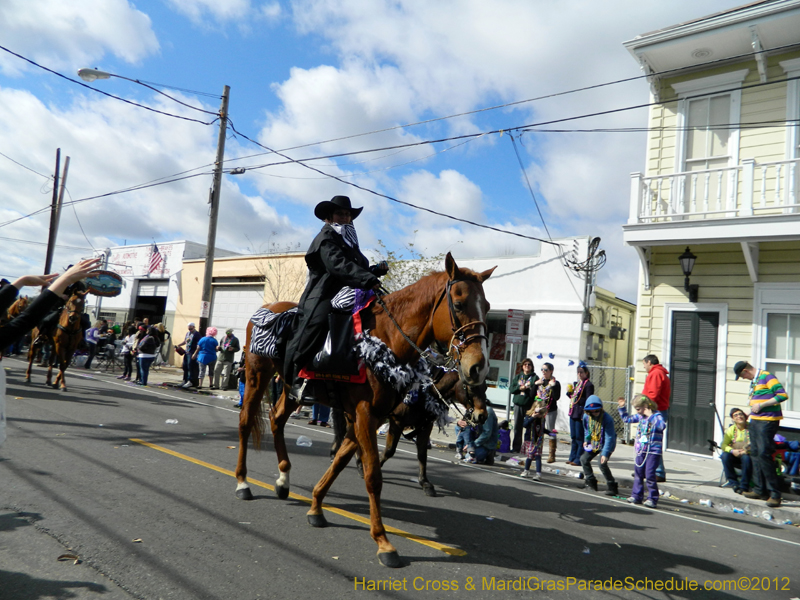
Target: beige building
[240,285]
[721,184]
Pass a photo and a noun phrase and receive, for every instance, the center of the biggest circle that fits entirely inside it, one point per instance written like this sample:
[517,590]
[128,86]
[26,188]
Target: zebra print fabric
[270,332]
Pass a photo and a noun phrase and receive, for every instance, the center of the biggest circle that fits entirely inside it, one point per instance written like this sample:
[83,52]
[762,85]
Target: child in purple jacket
[648,447]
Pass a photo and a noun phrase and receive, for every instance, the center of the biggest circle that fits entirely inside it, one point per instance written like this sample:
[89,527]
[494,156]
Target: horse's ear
[486,274]
[451,267]
[82,294]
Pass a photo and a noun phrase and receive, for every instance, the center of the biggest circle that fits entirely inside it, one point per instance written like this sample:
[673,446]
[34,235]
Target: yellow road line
[338,511]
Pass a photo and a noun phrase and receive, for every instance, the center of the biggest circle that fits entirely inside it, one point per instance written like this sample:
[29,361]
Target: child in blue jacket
[648,447]
[599,438]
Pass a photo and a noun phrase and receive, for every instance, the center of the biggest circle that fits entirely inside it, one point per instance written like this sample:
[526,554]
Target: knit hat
[593,403]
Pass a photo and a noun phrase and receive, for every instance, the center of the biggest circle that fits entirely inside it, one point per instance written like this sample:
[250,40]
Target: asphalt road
[159,519]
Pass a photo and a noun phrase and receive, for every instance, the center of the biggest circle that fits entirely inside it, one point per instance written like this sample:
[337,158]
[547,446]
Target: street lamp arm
[90,75]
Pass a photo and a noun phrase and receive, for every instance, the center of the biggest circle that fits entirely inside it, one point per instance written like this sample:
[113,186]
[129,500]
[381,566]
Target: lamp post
[90,75]
[687,260]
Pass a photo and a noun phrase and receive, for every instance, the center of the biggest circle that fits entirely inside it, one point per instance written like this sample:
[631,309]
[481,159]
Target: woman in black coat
[334,261]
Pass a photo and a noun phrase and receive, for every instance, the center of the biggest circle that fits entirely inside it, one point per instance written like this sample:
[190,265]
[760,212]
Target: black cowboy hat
[325,208]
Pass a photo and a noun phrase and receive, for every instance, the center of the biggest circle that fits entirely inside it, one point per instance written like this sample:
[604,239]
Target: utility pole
[51,240]
[205,305]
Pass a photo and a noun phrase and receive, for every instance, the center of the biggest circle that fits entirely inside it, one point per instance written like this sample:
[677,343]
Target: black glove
[379,270]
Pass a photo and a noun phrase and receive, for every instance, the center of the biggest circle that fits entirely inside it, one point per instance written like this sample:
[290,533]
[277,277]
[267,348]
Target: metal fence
[611,383]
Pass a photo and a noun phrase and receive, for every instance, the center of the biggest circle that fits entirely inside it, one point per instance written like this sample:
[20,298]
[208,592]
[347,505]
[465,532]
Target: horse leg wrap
[243,491]
[282,486]
[390,559]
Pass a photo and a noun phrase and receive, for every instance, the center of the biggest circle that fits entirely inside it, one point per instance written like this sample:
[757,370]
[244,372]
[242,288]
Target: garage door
[232,306]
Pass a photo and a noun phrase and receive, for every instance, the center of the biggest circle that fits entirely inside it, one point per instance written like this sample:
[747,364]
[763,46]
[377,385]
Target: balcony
[716,205]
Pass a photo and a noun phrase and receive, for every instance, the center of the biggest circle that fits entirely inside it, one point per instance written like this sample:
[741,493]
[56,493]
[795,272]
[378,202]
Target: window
[708,141]
[783,354]
[707,137]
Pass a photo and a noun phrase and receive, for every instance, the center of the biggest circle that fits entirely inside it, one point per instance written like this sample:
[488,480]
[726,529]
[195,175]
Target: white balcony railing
[748,189]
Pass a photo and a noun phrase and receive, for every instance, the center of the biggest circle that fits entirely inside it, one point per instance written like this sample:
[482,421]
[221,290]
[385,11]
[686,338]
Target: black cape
[332,265]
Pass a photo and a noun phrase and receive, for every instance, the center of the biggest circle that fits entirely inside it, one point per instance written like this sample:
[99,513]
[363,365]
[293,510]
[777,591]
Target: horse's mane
[423,293]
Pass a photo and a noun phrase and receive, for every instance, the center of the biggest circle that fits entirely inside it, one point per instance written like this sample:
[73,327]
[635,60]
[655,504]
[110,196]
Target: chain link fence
[611,383]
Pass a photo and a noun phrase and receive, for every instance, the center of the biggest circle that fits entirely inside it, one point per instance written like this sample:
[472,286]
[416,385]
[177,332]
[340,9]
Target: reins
[453,352]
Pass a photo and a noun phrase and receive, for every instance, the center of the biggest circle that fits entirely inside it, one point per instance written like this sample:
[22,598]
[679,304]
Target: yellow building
[721,184]
[240,285]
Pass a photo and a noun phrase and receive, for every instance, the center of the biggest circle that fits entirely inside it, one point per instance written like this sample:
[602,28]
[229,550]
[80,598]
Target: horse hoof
[244,494]
[429,490]
[390,559]
[282,492]
[317,520]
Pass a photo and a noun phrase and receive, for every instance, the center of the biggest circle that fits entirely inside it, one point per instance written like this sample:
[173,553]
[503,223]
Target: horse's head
[75,307]
[459,321]
[474,398]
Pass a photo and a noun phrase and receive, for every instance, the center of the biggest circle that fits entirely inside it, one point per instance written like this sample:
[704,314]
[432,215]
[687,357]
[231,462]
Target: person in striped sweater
[765,398]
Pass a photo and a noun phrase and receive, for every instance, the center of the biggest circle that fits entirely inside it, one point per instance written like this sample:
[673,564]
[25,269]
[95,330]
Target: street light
[687,260]
[91,75]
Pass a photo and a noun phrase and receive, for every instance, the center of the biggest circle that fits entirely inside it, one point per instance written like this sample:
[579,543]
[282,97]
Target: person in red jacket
[657,388]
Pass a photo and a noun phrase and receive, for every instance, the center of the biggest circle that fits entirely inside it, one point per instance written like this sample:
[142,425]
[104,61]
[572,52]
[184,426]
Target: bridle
[458,342]
[69,313]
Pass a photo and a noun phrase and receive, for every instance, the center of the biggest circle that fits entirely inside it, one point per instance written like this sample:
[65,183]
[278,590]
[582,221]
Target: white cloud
[221,10]
[113,146]
[62,34]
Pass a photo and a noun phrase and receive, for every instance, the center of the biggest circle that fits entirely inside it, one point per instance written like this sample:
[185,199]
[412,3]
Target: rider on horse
[334,261]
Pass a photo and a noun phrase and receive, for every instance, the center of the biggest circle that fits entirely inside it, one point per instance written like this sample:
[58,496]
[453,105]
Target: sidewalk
[690,478]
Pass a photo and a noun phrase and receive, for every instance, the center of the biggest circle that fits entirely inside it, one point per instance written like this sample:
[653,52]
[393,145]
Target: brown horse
[65,339]
[414,415]
[448,308]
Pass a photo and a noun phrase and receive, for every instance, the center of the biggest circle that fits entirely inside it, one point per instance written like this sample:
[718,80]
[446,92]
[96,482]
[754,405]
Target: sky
[315,80]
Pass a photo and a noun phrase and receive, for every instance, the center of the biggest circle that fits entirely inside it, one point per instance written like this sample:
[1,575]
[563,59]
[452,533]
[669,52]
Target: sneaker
[312,422]
[774,502]
[740,490]
[470,460]
[186,385]
[525,473]
[728,485]
[537,477]
[633,500]
[459,456]
[649,503]
[238,405]
[121,377]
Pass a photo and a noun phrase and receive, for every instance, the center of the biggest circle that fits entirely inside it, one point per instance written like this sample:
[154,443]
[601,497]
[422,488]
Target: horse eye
[459,306]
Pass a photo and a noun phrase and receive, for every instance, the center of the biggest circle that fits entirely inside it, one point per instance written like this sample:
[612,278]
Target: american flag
[155,260]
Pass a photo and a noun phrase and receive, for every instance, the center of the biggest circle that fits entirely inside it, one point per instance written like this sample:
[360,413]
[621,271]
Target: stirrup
[299,395]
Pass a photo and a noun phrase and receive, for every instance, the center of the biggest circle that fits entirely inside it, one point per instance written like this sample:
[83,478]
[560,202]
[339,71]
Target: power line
[34,243]
[24,167]
[88,87]
[392,199]
[543,97]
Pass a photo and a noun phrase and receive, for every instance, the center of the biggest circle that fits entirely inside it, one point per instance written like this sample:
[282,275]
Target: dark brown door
[693,375]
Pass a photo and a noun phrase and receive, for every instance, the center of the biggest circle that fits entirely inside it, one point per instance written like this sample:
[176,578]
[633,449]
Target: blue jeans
[744,462]
[660,471]
[762,447]
[461,438]
[144,369]
[576,432]
[481,452]
[241,393]
[320,413]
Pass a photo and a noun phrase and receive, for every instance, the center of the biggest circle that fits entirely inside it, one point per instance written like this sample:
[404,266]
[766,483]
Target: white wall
[552,297]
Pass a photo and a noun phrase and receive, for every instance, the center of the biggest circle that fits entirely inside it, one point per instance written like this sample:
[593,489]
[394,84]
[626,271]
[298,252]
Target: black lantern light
[687,260]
